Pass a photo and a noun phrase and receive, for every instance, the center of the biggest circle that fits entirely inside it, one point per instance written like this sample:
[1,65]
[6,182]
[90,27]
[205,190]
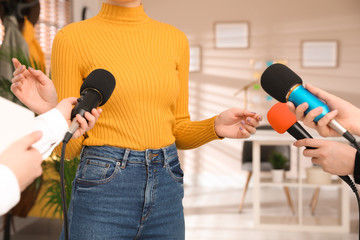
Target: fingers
[308,120]
[243,132]
[39,75]
[16,62]
[18,76]
[318,92]
[83,124]
[291,106]
[30,139]
[322,125]
[96,113]
[87,123]
[300,111]
[93,117]
[308,142]
[242,112]
[70,100]
[19,68]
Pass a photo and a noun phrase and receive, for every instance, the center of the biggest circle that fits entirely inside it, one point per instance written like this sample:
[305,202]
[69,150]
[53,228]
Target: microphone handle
[73,127]
[342,131]
[298,95]
[298,132]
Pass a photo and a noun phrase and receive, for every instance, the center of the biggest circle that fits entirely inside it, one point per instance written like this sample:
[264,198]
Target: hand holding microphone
[334,157]
[85,123]
[284,85]
[95,91]
[345,113]
[282,119]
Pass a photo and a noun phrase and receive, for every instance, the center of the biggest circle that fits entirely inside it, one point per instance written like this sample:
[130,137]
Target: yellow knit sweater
[150,62]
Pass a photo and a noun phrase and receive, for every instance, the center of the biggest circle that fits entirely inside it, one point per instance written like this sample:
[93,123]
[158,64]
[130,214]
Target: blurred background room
[231,43]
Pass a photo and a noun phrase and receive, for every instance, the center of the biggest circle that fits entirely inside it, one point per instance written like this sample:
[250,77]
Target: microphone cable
[348,180]
[62,187]
[351,184]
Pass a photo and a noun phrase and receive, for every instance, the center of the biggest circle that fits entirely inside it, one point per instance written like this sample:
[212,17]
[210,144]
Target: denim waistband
[135,156]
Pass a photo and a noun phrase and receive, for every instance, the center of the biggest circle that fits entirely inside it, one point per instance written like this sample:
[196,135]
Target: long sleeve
[67,80]
[53,126]
[9,190]
[150,63]
[189,134]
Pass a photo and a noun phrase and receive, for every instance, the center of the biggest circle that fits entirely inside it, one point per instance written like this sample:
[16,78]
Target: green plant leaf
[53,192]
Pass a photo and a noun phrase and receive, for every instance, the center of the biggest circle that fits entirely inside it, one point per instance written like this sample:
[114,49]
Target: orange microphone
[283,120]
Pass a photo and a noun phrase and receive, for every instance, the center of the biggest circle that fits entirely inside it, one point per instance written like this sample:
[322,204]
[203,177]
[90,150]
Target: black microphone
[284,85]
[94,92]
[282,119]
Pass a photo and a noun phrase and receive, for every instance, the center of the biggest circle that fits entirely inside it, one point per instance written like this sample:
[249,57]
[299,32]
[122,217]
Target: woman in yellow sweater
[129,184]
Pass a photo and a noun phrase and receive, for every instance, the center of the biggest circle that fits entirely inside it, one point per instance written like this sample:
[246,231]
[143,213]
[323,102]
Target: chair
[265,165]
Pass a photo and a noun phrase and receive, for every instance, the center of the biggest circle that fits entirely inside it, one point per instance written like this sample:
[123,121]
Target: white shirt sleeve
[9,190]
[53,126]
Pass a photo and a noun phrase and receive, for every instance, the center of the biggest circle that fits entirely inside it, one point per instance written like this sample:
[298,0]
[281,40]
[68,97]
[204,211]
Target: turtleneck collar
[122,14]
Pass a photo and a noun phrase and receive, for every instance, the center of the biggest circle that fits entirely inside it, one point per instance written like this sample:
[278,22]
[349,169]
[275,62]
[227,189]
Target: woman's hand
[236,123]
[33,88]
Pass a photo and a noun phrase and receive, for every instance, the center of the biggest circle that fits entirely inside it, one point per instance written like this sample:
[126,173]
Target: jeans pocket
[96,170]
[174,169]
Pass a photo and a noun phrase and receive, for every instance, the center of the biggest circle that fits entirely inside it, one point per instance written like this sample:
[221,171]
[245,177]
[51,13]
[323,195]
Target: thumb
[29,139]
[67,101]
[40,76]
[318,92]
[243,113]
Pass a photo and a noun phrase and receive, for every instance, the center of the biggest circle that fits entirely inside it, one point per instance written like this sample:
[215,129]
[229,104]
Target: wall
[277,28]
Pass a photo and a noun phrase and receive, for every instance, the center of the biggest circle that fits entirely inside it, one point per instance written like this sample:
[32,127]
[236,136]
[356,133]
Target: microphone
[282,119]
[94,92]
[284,85]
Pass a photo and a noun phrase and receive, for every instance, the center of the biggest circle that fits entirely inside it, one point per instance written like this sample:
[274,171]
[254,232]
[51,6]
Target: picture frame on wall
[85,9]
[319,53]
[195,59]
[232,35]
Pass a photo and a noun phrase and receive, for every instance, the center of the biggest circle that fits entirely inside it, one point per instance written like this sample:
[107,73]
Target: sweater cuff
[357,168]
[213,129]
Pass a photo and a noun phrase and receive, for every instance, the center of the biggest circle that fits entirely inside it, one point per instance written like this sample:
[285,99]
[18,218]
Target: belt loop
[125,158]
[82,151]
[147,160]
[165,157]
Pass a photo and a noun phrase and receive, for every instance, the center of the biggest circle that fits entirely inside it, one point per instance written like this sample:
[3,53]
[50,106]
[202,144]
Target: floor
[211,214]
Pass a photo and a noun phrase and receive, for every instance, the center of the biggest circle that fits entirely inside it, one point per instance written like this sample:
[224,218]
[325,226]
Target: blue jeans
[125,194]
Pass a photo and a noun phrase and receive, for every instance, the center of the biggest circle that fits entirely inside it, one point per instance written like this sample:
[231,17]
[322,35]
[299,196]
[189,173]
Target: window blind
[54,15]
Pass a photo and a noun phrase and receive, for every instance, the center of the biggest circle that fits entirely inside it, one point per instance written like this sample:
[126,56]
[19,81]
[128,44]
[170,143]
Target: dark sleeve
[357,168]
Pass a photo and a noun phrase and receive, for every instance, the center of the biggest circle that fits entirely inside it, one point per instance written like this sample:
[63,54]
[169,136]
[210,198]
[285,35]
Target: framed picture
[232,35]
[84,9]
[322,54]
[195,59]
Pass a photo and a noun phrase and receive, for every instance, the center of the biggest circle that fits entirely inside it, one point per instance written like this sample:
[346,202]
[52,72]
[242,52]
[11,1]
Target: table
[299,221]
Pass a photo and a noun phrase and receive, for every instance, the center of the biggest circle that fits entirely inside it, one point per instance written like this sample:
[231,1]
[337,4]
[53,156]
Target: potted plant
[278,162]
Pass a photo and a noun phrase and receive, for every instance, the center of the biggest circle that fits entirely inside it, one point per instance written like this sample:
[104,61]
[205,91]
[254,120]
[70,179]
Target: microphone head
[280,117]
[101,80]
[277,80]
